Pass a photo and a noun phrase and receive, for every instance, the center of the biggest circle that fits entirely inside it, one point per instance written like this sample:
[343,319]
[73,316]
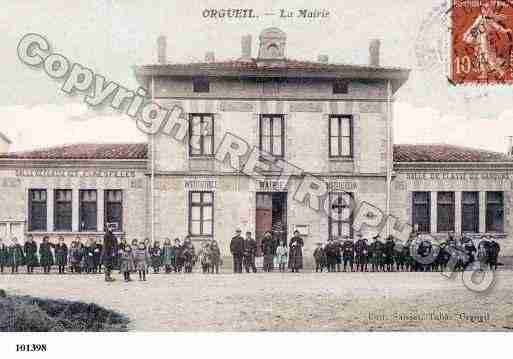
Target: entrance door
[271,216]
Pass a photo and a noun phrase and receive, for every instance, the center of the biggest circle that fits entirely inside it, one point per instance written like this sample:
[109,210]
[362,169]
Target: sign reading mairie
[200,183]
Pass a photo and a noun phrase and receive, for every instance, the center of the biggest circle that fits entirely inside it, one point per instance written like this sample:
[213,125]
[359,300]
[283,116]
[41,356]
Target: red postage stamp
[482,40]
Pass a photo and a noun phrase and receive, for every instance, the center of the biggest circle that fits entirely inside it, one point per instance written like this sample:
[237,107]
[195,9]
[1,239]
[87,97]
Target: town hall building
[334,121]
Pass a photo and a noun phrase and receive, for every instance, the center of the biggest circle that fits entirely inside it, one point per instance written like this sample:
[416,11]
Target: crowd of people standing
[361,254]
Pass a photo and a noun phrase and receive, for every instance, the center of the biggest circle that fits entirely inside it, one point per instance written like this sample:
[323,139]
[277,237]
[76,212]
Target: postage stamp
[482,40]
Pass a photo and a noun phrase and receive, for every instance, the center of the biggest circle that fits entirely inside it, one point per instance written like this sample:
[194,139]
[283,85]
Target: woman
[296,252]
[46,255]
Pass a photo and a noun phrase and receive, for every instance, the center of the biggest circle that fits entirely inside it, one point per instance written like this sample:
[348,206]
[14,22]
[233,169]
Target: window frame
[198,82]
[339,136]
[340,87]
[44,223]
[476,214]
[339,223]
[56,214]
[202,153]
[451,226]
[201,205]
[414,211]
[487,203]
[106,203]
[271,135]
[81,203]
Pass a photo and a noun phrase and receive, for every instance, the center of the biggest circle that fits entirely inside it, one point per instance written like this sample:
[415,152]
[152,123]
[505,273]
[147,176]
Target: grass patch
[30,314]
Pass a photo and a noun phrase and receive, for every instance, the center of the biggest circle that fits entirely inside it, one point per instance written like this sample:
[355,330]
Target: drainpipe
[152,183]
[390,155]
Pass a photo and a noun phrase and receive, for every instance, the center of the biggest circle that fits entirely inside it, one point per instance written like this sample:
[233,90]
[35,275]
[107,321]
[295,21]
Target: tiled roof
[446,153]
[83,151]
[267,65]
[274,68]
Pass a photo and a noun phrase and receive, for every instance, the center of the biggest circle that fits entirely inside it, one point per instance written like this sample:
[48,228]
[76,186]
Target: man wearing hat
[250,248]
[361,248]
[237,250]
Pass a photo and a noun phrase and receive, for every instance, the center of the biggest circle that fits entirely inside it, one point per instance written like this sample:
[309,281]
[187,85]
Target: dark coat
[296,253]
[16,255]
[250,248]
[237,246]
[30,249]
[46,254]
[97,255]
[348,249]
[168,255]
[88,257]
[61,254]
[268,246]
[4,255]
[156,256]
[110,248]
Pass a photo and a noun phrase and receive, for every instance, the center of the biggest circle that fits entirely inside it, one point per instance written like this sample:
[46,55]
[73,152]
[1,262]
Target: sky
[110,37]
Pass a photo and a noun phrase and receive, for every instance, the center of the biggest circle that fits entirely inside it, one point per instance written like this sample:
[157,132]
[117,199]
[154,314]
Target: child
[215,256]
[127,262]
[16,255]
[46,255]
[142,261]
[168,256]
[320,257]
[156,257]
[189,255]
[97,256]
[75,256]
[4,255]
[61,255]
[88,256]
[205,257]
[282,254]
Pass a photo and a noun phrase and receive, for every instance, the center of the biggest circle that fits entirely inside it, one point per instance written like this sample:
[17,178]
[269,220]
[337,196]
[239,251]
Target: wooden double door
[271,216]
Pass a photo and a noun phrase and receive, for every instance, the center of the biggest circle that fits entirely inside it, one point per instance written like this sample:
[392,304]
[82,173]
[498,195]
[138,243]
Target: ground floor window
[445,212]
[421,215]
[340,219]
[88,210]
[37,210]
[63,210]
[470,212]
[113,213]
[201,213]
[494,212]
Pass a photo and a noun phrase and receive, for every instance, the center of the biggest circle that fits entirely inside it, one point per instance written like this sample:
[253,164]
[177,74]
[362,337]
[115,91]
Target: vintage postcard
[256,166]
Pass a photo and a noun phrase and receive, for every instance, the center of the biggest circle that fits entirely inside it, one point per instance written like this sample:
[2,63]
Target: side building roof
[84,151]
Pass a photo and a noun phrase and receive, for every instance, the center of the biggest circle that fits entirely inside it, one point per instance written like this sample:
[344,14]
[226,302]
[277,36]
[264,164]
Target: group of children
[417,254]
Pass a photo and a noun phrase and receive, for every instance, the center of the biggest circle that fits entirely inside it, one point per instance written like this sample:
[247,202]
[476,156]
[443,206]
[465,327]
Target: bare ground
[286,301]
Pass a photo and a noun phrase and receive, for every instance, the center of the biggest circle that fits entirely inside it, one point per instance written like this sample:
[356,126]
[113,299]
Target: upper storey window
[200,84]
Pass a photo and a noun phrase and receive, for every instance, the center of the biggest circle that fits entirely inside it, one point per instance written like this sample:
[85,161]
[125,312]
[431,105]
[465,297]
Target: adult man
[250,248]
[296,252]
[237,250]
[331,255]
[388,250]
[361,248]
[110,252]
[494,249]
[269,250]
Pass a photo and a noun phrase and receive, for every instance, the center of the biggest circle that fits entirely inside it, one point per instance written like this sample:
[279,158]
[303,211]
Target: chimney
[210,56]
[161,50]
[246,47]
[374,52]
[5,143]
[323,58]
